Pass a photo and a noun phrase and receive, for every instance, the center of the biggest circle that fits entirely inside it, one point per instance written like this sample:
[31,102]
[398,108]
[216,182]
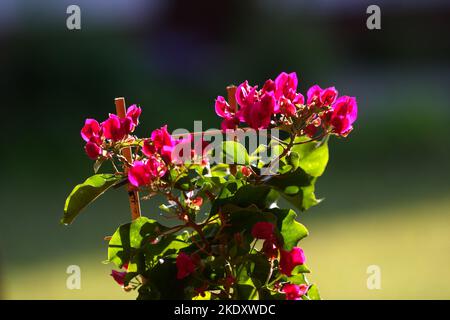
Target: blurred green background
[386,188]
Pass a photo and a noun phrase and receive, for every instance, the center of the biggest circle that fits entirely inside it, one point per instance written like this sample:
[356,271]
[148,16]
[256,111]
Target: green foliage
[125,243]
[302,167]
[227,261]
[313,293]
[85,193]
[291,230]
[234,152]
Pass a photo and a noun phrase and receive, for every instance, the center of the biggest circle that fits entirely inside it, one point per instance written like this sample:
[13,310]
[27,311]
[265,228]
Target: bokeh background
[386,189]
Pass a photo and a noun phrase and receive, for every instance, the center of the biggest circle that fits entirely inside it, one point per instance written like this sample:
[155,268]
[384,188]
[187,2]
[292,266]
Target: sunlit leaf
[85,193]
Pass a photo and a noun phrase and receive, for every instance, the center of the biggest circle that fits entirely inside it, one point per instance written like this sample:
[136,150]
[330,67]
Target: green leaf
[234,153]
[247,291]
[303,268]
[261,196]
[245,287]
[313,293]
[297,279]
[299,172]
[297,187]
[260,268]
[169,245]
[122,247]
[312,156]
[85,193]
[294,160]
[291,230]
[229,189]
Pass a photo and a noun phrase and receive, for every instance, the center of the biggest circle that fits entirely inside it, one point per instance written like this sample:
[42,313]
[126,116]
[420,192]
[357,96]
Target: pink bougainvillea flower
[223,109]
[245,94]
[93,150]
[156,167]
[290,259]
[163,142]
[134,112]
[228,124]
[257,107]
[142,173]
[293,291]
[328,96]
[139,174]
[345,112]
[269,86]
[90,130]
[298,99]
[185,265]
[263,230]
[313,95]
[286,107]
[116,128]
[286,85]
[148,148]
[119,276]
[257,111]
[286,94]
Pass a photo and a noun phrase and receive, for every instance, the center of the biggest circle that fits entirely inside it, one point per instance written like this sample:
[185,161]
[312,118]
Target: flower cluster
[278,102]
[113,129]
[230,240]
[288,260]
[101,139]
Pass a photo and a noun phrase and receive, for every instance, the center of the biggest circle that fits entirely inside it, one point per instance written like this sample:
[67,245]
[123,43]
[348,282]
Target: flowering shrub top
[228,238]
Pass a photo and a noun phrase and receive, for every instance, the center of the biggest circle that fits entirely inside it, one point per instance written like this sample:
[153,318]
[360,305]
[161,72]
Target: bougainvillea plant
[227,226]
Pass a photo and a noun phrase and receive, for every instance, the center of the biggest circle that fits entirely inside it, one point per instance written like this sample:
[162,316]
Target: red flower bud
[263,230]
[185,265]
[246,171]
[119,276]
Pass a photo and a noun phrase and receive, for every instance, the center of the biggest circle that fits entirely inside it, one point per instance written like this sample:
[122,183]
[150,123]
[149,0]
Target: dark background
[386,186]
